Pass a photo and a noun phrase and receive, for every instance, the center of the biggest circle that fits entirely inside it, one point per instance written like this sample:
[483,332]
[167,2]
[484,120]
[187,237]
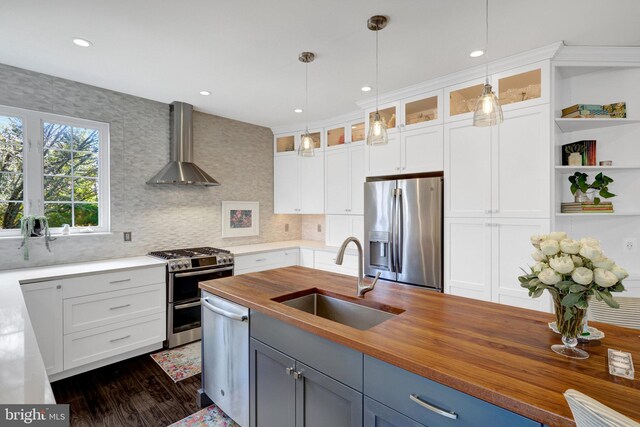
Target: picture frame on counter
[240,219]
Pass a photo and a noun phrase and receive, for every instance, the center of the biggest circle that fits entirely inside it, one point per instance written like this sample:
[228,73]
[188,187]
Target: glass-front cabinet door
[422,110]
[336,136]
[285,144]
[357,131]
[316,136]
[524,86]
[388,113]
[462,99]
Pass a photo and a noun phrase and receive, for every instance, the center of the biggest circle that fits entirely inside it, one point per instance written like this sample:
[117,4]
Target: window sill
[63,236]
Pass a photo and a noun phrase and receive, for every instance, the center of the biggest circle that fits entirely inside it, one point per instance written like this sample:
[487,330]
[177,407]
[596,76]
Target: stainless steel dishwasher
[225,356]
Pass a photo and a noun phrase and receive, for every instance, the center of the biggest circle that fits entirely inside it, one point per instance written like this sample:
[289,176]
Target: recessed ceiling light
[365,88]
[82,42]
[298,110]
[205,92]
[476,53]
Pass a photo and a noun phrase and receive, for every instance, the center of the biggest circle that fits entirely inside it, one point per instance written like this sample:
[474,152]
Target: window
[54,166]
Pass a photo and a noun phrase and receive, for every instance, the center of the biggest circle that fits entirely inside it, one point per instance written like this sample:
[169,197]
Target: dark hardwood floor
[134,392]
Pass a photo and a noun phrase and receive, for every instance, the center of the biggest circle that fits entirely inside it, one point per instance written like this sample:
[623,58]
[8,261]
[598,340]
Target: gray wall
[238,155]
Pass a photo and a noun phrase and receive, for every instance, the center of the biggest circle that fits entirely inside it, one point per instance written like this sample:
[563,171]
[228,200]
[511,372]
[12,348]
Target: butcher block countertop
[494,352]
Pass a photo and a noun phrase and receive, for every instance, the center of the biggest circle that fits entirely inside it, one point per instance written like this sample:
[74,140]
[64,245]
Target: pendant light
[306,148]
[488,111]
[377,128]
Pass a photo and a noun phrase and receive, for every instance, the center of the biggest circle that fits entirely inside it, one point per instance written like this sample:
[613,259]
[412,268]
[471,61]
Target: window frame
[33,165]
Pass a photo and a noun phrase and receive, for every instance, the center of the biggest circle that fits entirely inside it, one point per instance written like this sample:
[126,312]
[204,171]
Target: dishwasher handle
[225,313]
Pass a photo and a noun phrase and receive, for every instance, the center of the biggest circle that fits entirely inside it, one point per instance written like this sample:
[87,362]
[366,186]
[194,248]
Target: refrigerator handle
[399,230]
[392,243]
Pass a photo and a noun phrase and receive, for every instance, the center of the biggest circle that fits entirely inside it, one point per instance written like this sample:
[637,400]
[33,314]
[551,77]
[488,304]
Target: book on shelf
[616,110]
[586,149]
[577,207]
[580,107]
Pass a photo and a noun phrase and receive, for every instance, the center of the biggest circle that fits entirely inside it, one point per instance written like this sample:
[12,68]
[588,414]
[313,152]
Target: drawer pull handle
[119,281]
[416,399]
[120,339]
[261,259]
[120,306]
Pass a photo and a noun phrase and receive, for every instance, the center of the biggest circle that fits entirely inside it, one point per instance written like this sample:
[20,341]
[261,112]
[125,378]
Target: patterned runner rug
[180,362]
[208,417]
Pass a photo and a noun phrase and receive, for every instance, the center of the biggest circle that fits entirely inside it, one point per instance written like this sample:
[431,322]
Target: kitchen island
[495,353]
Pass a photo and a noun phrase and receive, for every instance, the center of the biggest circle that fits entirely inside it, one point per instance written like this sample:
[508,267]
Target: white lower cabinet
[326,260]
[298,184]
[95,319]
[306,257]
[44,304]
[483,257]
[251,263]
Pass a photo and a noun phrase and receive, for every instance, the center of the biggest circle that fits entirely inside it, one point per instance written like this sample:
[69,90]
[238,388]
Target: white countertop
[23,378]
[316,245]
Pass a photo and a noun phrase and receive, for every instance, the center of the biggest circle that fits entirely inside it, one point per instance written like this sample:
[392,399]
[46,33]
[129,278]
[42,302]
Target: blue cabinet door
[272,388]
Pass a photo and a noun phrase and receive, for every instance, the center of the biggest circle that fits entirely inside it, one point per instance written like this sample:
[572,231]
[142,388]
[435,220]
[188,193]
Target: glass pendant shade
[306,145]
[377,131]
[488,111]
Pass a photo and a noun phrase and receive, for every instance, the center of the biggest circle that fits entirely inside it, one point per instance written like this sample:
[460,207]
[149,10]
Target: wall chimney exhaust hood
[181,170]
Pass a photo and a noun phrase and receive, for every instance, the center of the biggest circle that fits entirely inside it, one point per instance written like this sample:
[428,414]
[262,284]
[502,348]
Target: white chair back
[627,315]
[588,412]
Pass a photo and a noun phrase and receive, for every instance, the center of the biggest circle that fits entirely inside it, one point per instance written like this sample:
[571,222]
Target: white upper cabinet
[421,110]
[389,113]
[421,150]
[311,179]
[285,184]
[344,175]
[384,159]
[283,144]
[521,157]
[467,170]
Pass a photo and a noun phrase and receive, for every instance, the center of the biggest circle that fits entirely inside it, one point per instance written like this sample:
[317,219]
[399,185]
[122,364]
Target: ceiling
[245,51]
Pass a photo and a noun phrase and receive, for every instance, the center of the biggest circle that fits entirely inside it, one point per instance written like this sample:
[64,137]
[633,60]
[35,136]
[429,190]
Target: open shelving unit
[572,125]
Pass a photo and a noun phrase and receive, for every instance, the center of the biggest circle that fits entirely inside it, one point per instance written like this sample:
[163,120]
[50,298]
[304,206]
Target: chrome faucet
[362,289]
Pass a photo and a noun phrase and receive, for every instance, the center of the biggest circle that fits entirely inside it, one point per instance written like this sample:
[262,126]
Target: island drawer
[337,361]
[105,308]
[431,403]
[100,343]
[111,281]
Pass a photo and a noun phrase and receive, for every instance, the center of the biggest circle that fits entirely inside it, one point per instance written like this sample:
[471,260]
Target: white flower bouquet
[572,271]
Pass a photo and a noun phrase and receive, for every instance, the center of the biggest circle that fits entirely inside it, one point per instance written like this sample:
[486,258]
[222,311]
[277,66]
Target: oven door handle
[187,305]
[221,312]
[201,272]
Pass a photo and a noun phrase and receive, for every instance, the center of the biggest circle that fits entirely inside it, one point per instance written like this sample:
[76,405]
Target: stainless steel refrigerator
[403,230]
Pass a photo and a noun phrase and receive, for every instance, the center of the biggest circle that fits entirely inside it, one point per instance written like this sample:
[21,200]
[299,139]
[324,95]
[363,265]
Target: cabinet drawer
[378,415]
[100,343]
[337,361]
[327,261]
[112,281]
[267,259]
[105,308]
[394,387]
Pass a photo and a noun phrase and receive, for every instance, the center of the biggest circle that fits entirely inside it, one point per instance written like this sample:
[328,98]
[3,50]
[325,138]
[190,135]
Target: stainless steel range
[185,268]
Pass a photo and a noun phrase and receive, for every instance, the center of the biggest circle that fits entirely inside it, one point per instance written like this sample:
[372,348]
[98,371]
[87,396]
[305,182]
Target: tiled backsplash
[310,225]
[238,155]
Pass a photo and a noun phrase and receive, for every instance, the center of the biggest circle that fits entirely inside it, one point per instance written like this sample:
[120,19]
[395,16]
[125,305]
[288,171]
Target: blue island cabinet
[298,379]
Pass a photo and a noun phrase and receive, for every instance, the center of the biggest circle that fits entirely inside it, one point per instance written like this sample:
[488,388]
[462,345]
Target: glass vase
[569,329]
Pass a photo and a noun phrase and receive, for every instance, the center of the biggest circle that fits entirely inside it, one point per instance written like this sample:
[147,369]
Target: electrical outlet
[127,236]
[630,244]
[286,228]
[319,228]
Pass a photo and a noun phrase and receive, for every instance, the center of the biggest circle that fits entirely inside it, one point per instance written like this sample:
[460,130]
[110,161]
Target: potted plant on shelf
[572,272]
[582,190]
[34,226]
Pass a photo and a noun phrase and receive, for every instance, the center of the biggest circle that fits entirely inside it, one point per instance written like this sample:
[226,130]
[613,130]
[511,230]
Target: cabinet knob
[58,286]
[404,167]
[289,371]
[297,375]
[398,168]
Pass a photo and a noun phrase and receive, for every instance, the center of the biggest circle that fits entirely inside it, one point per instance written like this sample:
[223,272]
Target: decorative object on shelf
[587,206]
[580,188]
[617,110]
[307,144]
[606,163]
[65,229]
[589,333]
[34,226]
[572,271]
[377,127]
[240,219]
[579,153]
[488,111]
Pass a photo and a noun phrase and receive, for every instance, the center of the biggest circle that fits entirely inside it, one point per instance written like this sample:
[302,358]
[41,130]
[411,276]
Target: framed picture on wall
[240,219]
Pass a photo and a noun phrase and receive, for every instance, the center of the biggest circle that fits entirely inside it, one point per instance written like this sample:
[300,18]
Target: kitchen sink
[339,309]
